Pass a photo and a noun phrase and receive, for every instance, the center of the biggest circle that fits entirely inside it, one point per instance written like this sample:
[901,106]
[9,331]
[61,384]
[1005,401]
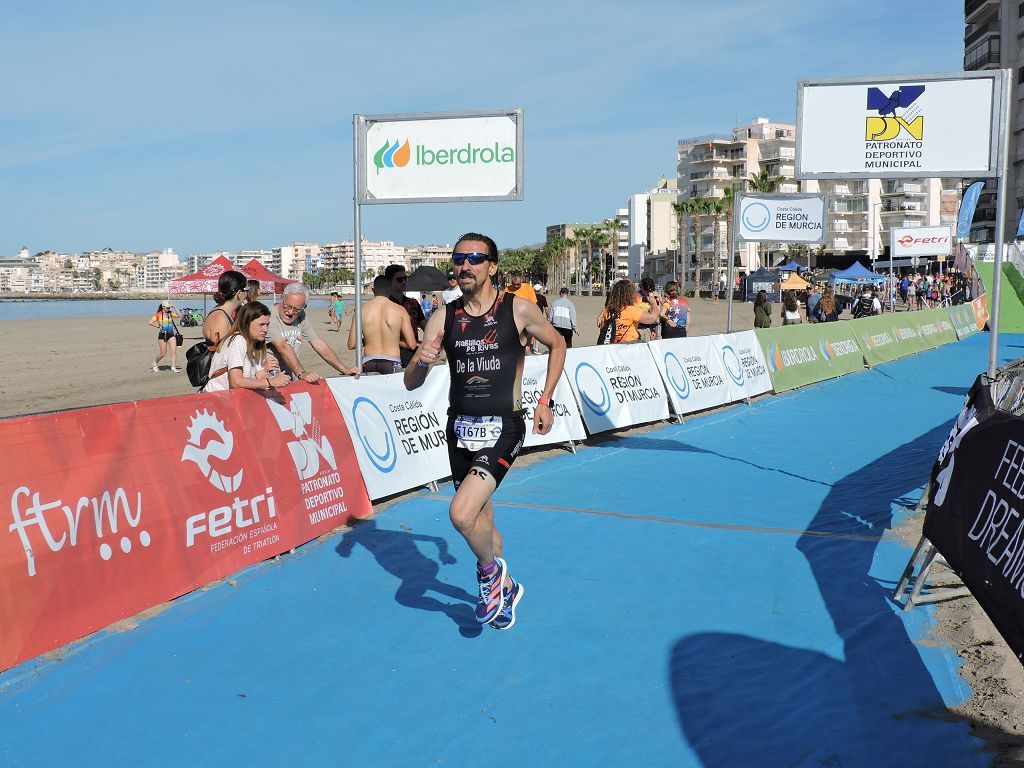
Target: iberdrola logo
[826,349]
[392,156]
[868,341]
[776,357]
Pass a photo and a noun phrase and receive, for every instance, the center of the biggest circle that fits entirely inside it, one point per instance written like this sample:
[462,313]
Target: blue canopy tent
[762,280]
[858,274]
[792,266]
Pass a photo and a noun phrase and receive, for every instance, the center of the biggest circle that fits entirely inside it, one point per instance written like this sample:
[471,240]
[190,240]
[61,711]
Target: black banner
[975,511]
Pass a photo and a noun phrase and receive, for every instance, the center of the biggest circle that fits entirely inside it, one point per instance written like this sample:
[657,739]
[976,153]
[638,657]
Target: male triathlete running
[483,338]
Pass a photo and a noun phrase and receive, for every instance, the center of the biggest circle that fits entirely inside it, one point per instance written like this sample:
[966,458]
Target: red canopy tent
[203,281]
[269,282]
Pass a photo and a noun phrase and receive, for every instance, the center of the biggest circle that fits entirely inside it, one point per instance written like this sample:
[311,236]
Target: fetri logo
[399,154]
[909,240]
[392,155]
[888,125]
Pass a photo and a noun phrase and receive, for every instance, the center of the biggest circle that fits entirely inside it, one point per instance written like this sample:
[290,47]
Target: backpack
[818,312]
[199,357]
[607,333]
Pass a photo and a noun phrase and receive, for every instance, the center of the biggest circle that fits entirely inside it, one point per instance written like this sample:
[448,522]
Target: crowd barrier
[113,509]
[973,516]
[117,508]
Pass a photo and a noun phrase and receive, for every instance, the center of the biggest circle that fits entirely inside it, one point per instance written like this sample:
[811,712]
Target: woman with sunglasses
[232,293]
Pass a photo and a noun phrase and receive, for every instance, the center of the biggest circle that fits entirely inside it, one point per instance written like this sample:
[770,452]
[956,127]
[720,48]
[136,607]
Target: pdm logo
[371,427]
[898,116]
[732,364]
[310,444]
[588,383]
[676,376]
[756,217]
[219,446]
[392,155]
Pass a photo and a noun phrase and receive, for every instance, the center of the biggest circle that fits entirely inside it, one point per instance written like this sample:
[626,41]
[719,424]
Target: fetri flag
[967,207]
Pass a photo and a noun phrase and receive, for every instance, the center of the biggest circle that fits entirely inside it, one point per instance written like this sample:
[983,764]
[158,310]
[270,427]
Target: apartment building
[158,268]
[376,255]
[993,30]
[294,260]
[622,243]
[20,274]
[428,255]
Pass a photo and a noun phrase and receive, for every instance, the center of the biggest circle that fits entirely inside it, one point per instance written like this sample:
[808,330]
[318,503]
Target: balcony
[972,6]
[977,62]
[903,188]
[975,32]
[846,210]
[848,190]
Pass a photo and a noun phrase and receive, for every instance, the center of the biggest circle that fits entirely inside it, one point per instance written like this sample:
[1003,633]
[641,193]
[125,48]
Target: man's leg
[472,514]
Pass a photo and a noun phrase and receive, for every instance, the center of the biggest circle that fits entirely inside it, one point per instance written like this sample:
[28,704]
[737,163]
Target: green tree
[681,208]
[613,227]
[602,239]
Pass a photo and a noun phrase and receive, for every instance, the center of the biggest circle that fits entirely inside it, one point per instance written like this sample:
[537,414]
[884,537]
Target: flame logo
[392,155]
[868,342]
[777,362]
[826,349]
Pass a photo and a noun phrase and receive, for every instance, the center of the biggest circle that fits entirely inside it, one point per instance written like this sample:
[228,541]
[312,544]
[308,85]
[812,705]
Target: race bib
[474,433]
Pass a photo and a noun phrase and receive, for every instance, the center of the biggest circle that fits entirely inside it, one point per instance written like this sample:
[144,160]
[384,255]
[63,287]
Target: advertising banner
[973,518]
[616,386]
[968,205]
[440,156]
[883,127]
[744,364]
[692,371]
[980,306]
[399,435]
[933,326]
[803,354]
[888,337]
[962,318]
[785,218]
[915,242]
[111,510]
[568,424]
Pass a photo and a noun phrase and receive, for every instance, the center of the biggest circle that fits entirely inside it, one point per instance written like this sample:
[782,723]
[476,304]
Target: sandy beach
[54,364]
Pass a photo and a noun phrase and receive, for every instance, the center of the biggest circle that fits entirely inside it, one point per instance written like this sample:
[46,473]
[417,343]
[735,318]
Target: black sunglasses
[476,259]
[400,278]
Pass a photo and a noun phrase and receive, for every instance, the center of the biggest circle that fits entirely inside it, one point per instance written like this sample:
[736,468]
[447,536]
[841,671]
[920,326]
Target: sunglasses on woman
[476,259]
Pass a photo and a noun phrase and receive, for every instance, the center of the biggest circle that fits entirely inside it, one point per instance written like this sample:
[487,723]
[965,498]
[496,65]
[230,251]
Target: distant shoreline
[156,296]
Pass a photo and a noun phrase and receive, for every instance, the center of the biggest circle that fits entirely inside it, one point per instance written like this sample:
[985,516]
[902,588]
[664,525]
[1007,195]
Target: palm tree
[716,207]
[730,200]
[585,236]
[682,211]
[613,226]
[763,181]
[602,239]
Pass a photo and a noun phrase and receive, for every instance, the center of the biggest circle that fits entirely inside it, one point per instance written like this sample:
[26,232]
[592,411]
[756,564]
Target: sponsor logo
[368,418]
[310,445]
[756,217]
[676,376]
[732,364]
[909,240]
[589,382]
[473,380]
[219,447]
[897,116]
[826,349]
[392,156]
[491,337]
[399,154]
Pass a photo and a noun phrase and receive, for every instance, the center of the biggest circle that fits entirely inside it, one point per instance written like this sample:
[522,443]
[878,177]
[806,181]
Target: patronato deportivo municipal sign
[440,156]
[943,125]
[785,218]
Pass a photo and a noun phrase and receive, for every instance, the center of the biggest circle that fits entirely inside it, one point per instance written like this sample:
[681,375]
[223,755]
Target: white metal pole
[357,124]
[732,261]
[1004,151]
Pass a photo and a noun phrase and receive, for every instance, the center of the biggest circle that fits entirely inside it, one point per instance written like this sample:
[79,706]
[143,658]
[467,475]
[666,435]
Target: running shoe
[175,370]
[490,601]
[156,368]
[506,617]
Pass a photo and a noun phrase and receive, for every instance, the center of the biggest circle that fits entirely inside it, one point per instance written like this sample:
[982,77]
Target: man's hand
[543,419]
[310,377]
[429,350]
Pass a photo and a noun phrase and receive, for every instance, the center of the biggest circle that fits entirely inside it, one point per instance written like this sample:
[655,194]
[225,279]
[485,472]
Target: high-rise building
[992,40]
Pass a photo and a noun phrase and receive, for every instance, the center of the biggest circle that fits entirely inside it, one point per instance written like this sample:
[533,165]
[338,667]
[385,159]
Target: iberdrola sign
[436,157]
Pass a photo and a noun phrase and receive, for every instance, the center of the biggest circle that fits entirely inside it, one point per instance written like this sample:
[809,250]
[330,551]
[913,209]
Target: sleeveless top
[485,359]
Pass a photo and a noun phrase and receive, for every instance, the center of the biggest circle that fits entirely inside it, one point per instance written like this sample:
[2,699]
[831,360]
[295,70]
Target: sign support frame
[1000,238]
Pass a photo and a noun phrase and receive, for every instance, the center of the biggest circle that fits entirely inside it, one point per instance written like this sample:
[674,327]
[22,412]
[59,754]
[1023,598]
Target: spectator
[289,327]
[762,310]
[395,273]
[563,316]
[865,306]
[336,310]
[542,300]
[813,297]
[232,293]
[791,309]
[242,359]
[828,307]
[648,300]
[425,305]
[386,330]
[252,290]
[453,292]
[675,312]
[626,313]
[166,337]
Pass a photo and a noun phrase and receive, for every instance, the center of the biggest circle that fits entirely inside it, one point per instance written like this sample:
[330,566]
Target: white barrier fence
[399,435]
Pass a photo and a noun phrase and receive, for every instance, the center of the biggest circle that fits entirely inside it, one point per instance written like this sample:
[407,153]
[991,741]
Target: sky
[207,126]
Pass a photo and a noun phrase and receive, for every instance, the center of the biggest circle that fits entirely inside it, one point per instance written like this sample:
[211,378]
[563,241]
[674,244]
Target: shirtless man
[386,328]
[482,333]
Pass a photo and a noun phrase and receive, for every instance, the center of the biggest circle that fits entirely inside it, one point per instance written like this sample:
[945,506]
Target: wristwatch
[546,401]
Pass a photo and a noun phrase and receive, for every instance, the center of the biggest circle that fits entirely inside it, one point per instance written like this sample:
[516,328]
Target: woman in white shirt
[242,359]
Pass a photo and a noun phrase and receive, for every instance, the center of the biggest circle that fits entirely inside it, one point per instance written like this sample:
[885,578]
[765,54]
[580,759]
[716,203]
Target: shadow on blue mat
[741,700]
[396,552]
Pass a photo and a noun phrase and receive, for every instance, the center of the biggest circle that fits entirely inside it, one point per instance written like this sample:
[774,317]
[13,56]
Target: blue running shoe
[490,602]
[506,617]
